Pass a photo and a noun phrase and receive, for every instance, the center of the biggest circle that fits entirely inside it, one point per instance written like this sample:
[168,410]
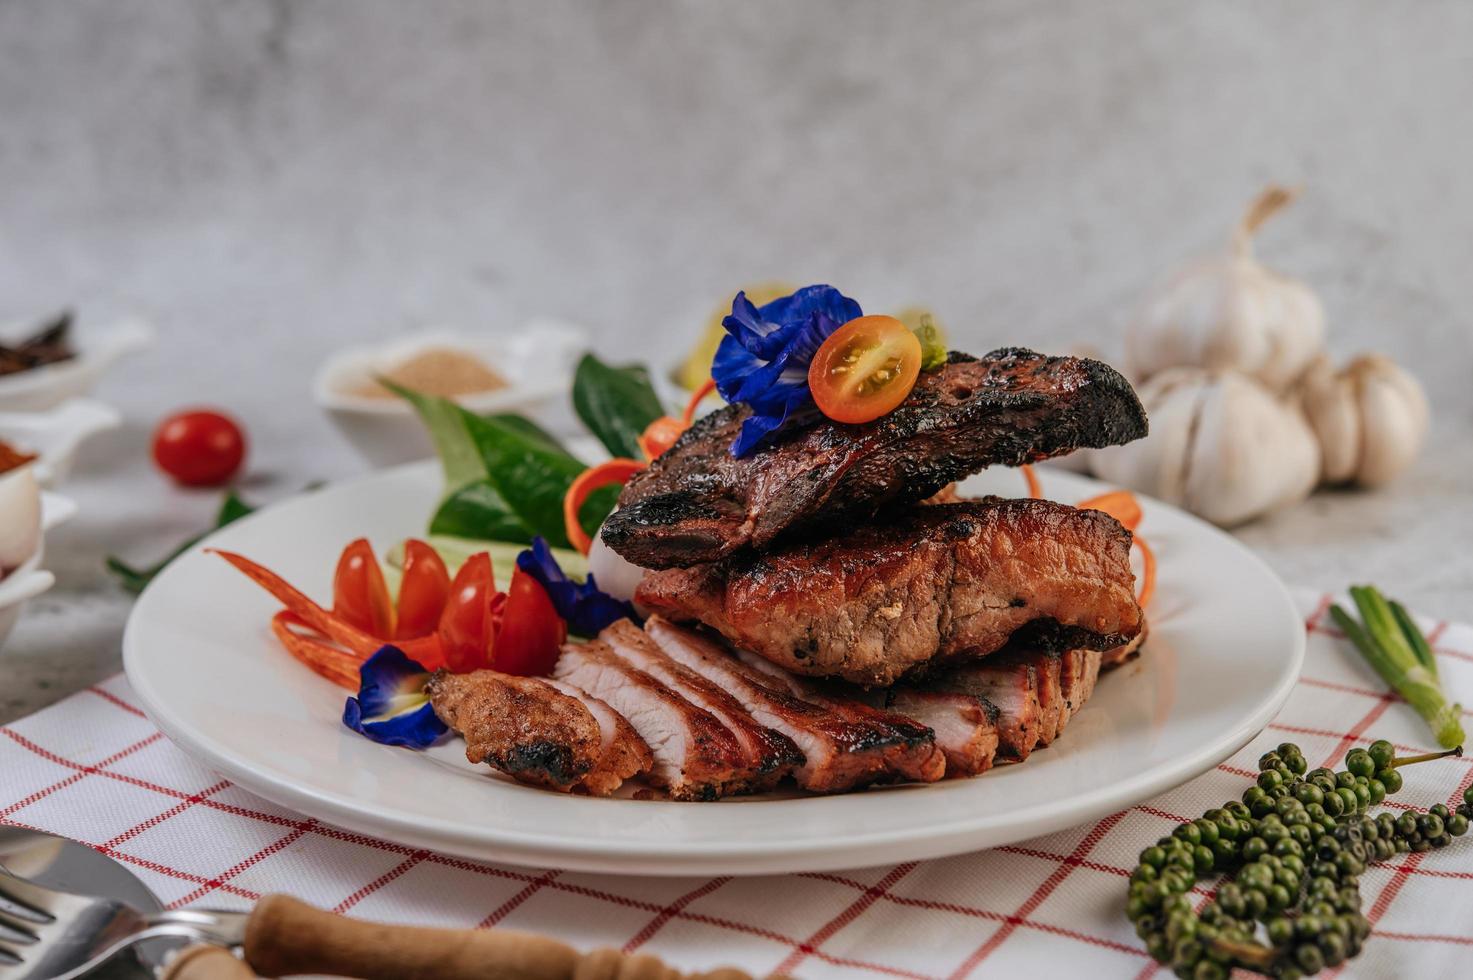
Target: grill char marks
[840,752]
[949,581]
[695,756]
[769,754]
[696,504]
[538,734]
[965,727]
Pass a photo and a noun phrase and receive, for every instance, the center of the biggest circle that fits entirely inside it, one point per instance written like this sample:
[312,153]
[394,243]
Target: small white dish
[56,434]
[1225,650]
[97,349]
[537,362]
[30,580]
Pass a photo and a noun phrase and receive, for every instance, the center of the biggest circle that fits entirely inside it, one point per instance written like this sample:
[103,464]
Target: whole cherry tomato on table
[199,448]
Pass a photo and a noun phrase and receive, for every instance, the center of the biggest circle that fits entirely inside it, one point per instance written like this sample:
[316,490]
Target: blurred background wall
[269,179]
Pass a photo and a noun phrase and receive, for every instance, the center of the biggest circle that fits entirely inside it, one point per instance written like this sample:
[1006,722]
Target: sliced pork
[965,726]
[941,583]
[697,504]
[840,753]
[537,733]
[770,754]
[695,756]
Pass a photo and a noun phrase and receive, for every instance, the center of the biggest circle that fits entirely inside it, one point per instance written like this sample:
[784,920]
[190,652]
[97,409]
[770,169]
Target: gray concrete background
[270,180]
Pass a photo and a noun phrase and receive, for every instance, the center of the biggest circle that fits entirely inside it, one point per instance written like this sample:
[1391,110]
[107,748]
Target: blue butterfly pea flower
[392,706]
[763,361]
[584,607]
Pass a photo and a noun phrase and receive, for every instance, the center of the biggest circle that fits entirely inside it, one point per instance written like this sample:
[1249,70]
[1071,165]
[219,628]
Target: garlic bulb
[1371,418]
[1221,446]
[1231,312]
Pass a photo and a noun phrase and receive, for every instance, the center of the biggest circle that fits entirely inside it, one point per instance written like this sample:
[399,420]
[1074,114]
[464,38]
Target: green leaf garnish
[616,403]
[232,509]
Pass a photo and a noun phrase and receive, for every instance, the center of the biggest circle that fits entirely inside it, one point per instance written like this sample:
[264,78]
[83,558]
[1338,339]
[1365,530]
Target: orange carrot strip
[696,397]
[1119,504]
[424,649]
[1035,490]
[660,435]
[337,666]
[614,471]
[1148,572]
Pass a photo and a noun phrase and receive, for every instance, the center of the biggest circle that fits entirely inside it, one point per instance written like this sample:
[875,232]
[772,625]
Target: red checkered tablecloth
[94,769]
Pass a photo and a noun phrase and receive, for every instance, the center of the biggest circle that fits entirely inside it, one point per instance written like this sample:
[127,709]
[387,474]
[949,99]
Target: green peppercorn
[1358,762]
[1439,810]
[1391,779]
[1377,790]
[1381,753]
[1351,802]
[1333,948]
[1457,825]
[1429,825]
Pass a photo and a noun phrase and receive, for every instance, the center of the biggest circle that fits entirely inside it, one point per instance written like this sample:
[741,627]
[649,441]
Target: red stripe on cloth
[665,914]
[848,915]
[511,904]
[250,862]
[397,871]
[1354,735]
[107,695]
[170,813]
[1425,937]
[1095,835]
[80,771]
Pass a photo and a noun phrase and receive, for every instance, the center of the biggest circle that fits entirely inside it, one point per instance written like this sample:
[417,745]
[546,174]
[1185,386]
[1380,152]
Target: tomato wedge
[532,632]
[865,369]
[423,591]
[359,594]
[468,624]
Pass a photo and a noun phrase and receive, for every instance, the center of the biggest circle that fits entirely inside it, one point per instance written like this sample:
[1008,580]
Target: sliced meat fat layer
[964,726]
[770,754]
[534,732]
[914,755]
[695,756]
[839,753]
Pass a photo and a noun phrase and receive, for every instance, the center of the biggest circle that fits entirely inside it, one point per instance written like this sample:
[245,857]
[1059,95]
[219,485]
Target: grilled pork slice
[696,503]
[965,726]
[695,756]
[625,754]
[538,732]
[1034,692]
[770,755]
[1125,653]
[950,581]
[840,753]
[914,756]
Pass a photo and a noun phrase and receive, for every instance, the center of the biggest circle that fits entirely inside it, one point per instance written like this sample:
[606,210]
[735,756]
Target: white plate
[1225,649]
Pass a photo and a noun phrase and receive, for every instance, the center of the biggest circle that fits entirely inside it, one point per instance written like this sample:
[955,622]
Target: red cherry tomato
[424,591]
[360,596]
[200,448]
[468,625]
[865,369]
[532,633]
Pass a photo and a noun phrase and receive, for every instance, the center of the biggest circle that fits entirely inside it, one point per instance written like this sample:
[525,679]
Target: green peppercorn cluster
[1295,846]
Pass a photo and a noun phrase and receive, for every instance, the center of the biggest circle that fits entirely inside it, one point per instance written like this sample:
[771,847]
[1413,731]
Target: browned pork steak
[697,504]
[946,582]
[539,732]
[840,750]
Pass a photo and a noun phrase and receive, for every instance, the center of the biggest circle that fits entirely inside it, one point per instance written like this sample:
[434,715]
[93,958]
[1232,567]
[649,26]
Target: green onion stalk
[1393,644]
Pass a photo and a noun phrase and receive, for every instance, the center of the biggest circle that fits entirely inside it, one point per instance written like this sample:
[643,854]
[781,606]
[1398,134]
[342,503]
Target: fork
[52,934]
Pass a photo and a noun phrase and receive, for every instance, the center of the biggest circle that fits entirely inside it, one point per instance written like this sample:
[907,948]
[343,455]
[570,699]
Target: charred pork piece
[915,755]
[696,503]
[965,726]
[769,754]
[840,753]
[695,756]
[538,733]
[1123,654]
[947,582]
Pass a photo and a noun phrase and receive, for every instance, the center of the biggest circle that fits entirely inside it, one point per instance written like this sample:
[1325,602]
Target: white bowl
[55,435]
[537,361]
[97,348]
[18,588]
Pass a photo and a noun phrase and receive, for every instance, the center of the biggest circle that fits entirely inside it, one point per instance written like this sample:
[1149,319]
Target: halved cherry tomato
[468,624]
[423,591]
[531,630]
[864,369]
[359,594]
